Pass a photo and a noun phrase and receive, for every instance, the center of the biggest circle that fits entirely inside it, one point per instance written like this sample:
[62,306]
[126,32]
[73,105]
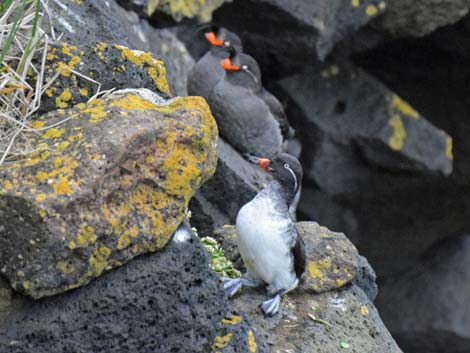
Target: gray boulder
[309,28]
[356,125]
[426,308]
[417,18]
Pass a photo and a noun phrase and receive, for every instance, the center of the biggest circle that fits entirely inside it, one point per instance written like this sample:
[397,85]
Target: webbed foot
[271,306]
[233,285]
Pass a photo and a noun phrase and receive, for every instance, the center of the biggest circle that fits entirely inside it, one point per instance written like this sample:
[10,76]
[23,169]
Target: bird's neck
[285,194]
[218,52]
[243,79]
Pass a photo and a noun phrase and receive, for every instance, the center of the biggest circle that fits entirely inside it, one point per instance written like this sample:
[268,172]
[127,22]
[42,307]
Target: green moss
[219,262]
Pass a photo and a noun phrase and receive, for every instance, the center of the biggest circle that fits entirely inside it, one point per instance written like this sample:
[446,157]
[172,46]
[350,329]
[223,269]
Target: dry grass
[22,37]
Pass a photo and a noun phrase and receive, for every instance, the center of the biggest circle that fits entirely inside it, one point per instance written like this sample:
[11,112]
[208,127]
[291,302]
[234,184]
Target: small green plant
[219,262]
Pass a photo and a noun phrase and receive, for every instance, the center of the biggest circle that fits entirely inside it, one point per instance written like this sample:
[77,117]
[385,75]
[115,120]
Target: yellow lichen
[403,107]
[397,140]
[26,285]
[364,310]
[96,111]
[65,267]
[252,342]
[63,98]
[316,268]
[98,261]
[133,102]
[62,187]
[221,341]
[156,68]
[86,236]
[53,132]
[232,320]
[355,3]
[37,124]
[371,10]
[449,150]
[125,239]
[40,197]
[7,185]
[341,282]
[83,91]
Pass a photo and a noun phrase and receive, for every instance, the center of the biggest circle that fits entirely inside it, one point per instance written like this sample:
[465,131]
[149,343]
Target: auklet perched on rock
[250,118]
[207,71]
[268,240]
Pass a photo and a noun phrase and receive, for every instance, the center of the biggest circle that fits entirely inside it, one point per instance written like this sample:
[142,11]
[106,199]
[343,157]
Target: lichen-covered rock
[108,183]
[236,334]
[309,28]
[421,17]
[331,322]
[179,9]
[353,125]
[169,301]
[83,69]
[332,260]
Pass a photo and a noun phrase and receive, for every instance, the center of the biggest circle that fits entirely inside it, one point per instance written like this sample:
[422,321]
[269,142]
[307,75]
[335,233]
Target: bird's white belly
[264,250]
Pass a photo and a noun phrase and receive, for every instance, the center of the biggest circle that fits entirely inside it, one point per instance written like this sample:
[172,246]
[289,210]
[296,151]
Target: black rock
[169,301]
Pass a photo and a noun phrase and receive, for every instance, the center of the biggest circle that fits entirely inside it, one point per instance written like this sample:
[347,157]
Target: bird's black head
[221,37]
[241,68]
[286,170]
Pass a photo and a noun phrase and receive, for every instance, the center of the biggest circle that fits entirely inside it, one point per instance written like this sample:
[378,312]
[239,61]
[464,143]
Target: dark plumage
[249,117]
[207,71]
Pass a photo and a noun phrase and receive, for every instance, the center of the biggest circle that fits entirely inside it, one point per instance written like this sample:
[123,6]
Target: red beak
[213,39]
[227,65]
[264,163]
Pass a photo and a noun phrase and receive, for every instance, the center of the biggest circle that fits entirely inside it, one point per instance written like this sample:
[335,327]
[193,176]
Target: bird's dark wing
[277,110]
[300,257]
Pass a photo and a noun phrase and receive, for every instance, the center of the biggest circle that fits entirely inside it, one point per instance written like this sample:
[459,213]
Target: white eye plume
[247,70]
[287,166]
[227,43]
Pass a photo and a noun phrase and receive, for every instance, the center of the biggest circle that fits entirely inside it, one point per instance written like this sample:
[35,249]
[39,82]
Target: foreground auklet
[271,247]
[207,71]
[249,117]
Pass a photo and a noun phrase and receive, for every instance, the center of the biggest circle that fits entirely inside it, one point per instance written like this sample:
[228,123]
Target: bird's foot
[233,285]
[271,306]
[251,158]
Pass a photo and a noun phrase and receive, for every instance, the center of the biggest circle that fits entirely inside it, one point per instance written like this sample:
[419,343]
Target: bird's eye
[244,67]
[287,166]
[227,43]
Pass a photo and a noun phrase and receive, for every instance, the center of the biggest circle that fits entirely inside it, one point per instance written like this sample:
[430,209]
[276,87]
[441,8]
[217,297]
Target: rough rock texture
[309,28]
[420,17]
[176,9]
[332,260]
[350,320]
[355,323]
[352,125]
[432,300]
[106,185]
[109,24]
[235,182]
[85,69]
[169,301]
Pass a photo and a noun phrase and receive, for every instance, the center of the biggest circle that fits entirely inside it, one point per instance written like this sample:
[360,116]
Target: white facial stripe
[252,75]
[293,174]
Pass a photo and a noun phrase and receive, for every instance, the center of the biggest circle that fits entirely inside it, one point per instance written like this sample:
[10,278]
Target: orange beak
[264,163]
[213,39]
[227,65]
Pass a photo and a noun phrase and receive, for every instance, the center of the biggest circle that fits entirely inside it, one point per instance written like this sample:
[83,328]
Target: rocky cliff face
[90,222]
